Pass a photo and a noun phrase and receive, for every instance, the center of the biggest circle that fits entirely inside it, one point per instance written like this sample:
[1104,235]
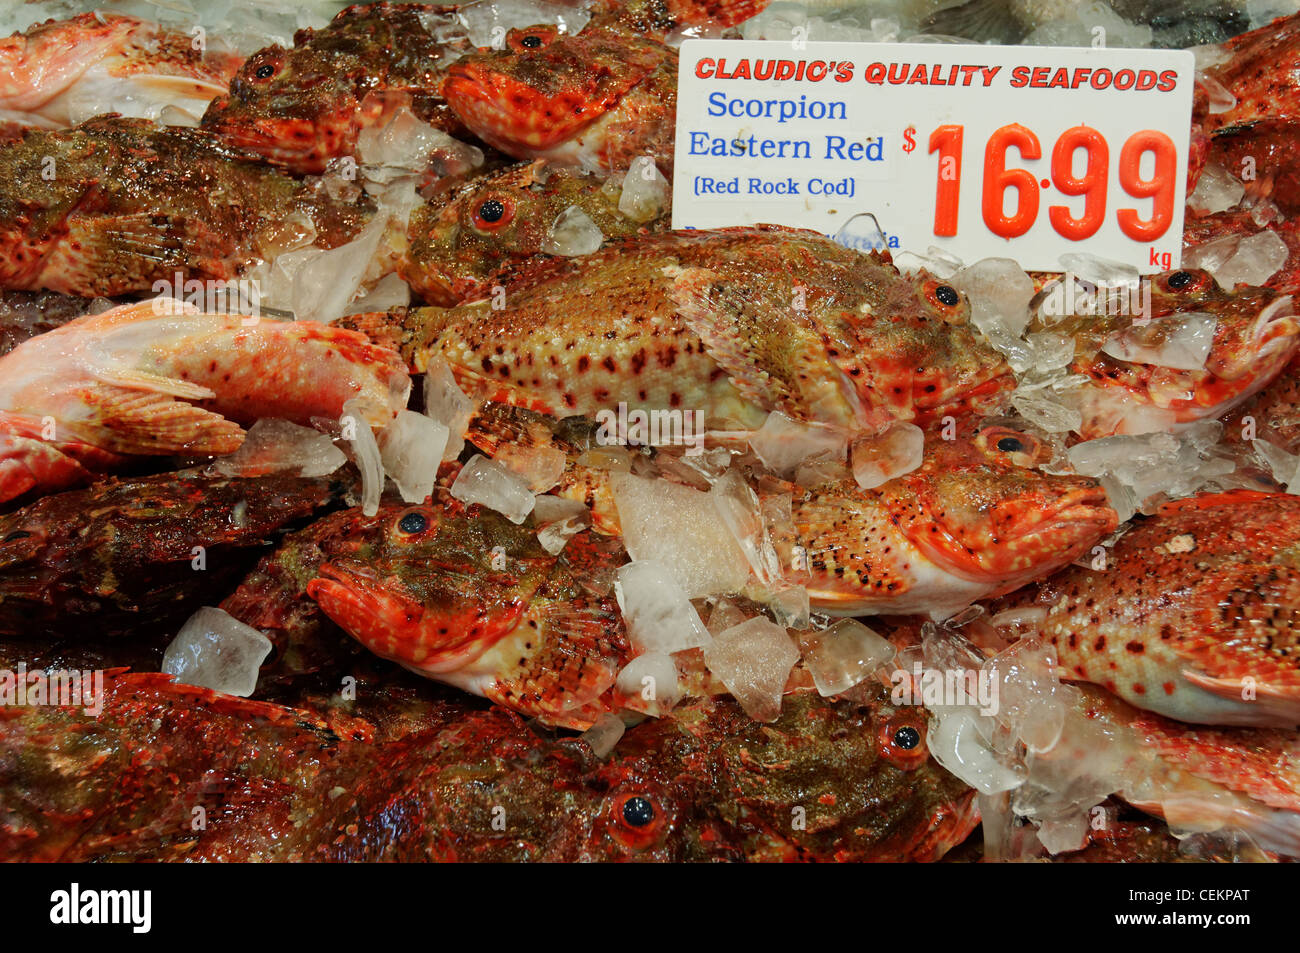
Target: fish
[1174,23]
[596,99]
[303,107]
[1263,153]
[457,249]
[277,784]
[25,314]
[159,378]
[1147,841]
[1240,223]
[658,19]
[730,324]
[974,519]
[1259,69]
[135,556]
[61,72]
[1193,616]
[116,206]
[1255,336]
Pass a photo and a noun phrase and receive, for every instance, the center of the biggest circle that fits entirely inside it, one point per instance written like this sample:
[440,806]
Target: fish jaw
[514,116]
[303,144]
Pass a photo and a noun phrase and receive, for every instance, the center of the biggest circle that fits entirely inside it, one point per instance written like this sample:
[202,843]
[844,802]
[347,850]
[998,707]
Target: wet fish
[299,108]
[1264,153]
[25,314]
[1255,335]
[659,18]
[730,324]
[61,72]
[146,380]
[1260,69]
[136,556]
[1193,616]
[115,205]
[277,784]
[458,248]
[596,99]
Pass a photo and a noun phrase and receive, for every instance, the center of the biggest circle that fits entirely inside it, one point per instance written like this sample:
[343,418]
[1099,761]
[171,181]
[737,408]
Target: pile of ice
[215,650]
[406,146]
[488,21]
[1092,24]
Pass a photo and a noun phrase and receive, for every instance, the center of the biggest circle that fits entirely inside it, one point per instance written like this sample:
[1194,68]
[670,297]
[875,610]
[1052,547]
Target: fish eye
[947,295]
[493,213]
[1024,450]
[907,737]
[944,297]
[412,523]
[265,71]
[1010,445]
[901,739]
[1181,279]
[638,811]
[531,39]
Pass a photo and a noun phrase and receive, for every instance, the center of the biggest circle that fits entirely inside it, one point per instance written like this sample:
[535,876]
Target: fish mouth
[952,824]
[300,145]
[511,115]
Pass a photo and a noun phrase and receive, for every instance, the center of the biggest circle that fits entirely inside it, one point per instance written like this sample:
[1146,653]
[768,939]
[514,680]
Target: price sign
[1019,152]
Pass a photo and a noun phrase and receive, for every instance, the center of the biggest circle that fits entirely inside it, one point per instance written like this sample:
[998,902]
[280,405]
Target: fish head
[980,509]
[545,87]
[842,780]
[493,222]
[1255,333]
[430,586]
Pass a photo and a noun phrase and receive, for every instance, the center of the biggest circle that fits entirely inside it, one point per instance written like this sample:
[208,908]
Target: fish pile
[377,460]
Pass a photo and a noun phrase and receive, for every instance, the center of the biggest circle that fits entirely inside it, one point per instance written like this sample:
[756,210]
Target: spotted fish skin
[731,324]
[1195,615]
[1262,70]
[971,521]
[596,99]
[457,249]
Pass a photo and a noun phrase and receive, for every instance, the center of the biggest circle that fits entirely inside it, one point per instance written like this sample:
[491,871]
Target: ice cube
[1180,341]
[1217,190]
[652,680]
[540,467]
[446,403]
[495,486]
[1027,702]
[754,660]
[783,443]
[738,508]
[558,521]
[843,655]
[1066,833]
[389,292]
[999,293]
[791,606]
[604,734]
[679,528]
[645,194]
[1284,465]
[1047,409]
[935,261]
[1219,96]
[275,446]
[725,614]
[573,233]
[880,458]
[325,281]
[215,650]
[356,429]
[407,145]
[862,232]
[955,742]
[411,448]
[1099,271]
[659,616]
[1256,259]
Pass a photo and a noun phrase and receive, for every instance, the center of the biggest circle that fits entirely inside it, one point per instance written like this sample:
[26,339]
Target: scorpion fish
[730,323]
[659,18]
[1261,69]
[119,557]
[595,99]
[146,380]
[302,107]
[1194,614]
[1255,336]
[115,205]
[61,72]
[457,249]
[829,780]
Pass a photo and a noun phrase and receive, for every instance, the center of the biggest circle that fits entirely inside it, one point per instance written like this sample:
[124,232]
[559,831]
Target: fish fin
[190,87]
[127,420]
[1277,705]
[154,383]
[978,20]
[27,464]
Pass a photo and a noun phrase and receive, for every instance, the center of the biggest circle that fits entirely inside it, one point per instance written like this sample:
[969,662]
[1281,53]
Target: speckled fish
[973,520]
[1265,154]
[1255,334]
[277,784]
[302,107]
[1196,778]
[1261,69]
[659,18]
[145,380]
[119,557]
[1239,223]
[1193,616]
[730,323]
[63,71]
[458,248]
[115,205]
[596,99]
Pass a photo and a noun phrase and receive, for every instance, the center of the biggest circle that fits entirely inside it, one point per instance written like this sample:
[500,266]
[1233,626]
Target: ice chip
[754,660]
[1047,409]
[738,508]
[936,261]
[863,233]
[1098,271]
[540,467]
[1284,465]
[791,606]
[1217,190]
[604,734]
[880,458]
[1255,260]
[411,448]
[276,446]
[446,403]
[844,655]
[1180,341]
[681,529]
[955,742]
[215,650]
[724,615]
[573,233]
[495,486]
[356,429]
[327,280]
[659,616]
[645,191]
[999,293]
[651,679]
[783,444]
[488,21]
[389,292]
[1029,704]
[1063,834]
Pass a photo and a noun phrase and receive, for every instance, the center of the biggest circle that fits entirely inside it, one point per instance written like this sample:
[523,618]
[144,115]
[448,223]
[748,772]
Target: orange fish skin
[596,99]
[730,324]
[1194,615]
[1262,69]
